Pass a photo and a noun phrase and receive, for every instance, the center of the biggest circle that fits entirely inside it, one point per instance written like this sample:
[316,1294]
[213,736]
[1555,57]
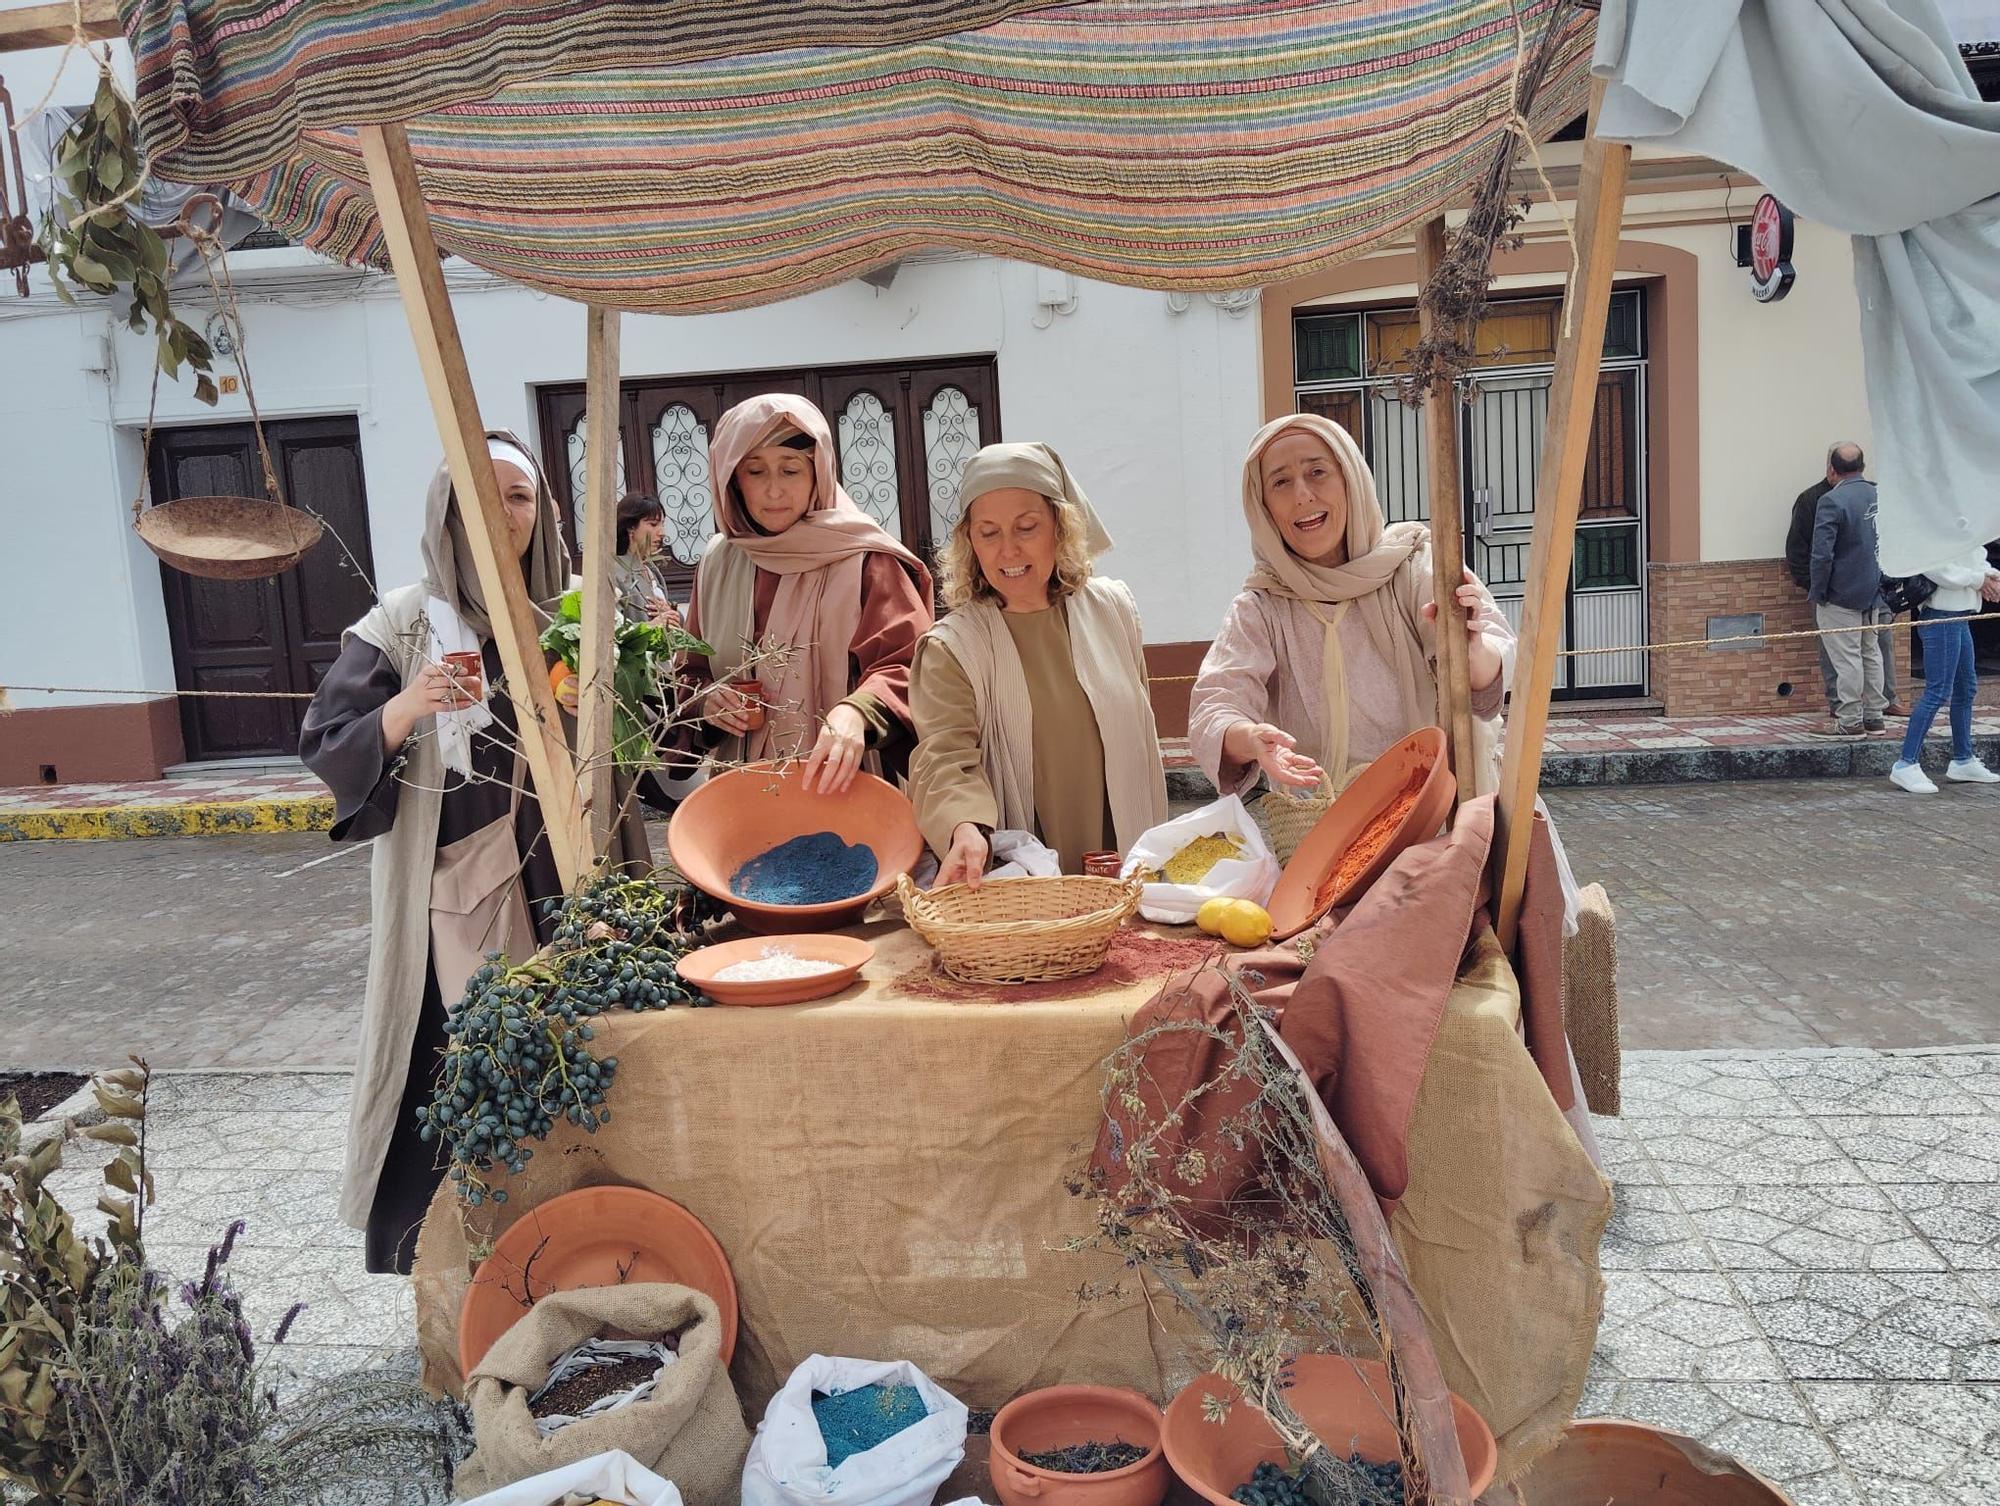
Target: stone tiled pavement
[1803,1268]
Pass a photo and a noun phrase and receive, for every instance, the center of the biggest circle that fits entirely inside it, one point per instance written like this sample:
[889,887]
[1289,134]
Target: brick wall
[1704,681]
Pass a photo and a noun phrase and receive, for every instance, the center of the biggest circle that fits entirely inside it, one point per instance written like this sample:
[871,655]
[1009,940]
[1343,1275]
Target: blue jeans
[1948,672]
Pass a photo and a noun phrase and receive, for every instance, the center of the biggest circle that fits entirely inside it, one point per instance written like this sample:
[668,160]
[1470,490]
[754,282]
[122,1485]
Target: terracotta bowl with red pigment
[1345,1402]
[746,812]
[1058,1417]
[1305,891]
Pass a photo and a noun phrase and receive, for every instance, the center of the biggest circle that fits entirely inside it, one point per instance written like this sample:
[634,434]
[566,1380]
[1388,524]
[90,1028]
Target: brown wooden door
[274,635]
[903,433]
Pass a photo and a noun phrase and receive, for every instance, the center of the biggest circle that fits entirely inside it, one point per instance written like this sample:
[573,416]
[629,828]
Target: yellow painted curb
[194,819]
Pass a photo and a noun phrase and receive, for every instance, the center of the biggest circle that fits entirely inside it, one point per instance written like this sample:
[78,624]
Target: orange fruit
[558,673]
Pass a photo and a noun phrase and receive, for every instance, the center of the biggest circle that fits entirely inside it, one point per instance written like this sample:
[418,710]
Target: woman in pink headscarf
[805,593]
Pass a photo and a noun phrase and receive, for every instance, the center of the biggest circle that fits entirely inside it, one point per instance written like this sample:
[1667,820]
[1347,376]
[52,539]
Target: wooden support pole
[600,597]
[1447,536]
[30,26]
[1600,212]
[406,226]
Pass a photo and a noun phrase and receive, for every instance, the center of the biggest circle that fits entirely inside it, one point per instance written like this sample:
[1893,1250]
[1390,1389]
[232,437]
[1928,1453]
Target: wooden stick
[33,26]
[1423,1401]
[600,599]
[1447,535]
[406,226]
[1600,209]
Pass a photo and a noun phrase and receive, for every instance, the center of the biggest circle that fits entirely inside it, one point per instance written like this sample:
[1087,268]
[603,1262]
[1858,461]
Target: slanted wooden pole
[1447,535]
[600,599]
[1600,212]
[406,226]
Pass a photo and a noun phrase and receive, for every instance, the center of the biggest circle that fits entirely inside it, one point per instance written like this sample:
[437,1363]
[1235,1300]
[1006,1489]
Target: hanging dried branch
[1455,297]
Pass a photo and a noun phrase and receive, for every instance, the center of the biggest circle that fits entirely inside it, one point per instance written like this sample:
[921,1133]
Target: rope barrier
[1672,645]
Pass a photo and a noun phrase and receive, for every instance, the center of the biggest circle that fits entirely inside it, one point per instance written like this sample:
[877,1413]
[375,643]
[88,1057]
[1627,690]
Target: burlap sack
[1590,1000]
[689,1431]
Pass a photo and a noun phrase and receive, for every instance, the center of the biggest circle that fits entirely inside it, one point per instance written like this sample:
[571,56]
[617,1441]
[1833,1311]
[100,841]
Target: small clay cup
[753,692]
[1103,864]
[469,671]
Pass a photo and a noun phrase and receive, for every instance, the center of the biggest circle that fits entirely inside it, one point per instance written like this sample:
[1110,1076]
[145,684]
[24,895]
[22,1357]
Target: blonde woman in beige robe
[1030,696]
[1328,657]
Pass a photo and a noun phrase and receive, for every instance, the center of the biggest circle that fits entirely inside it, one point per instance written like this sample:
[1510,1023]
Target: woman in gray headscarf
[461,864]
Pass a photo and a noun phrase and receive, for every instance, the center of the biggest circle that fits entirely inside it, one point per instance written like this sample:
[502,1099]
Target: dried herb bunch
[96,243]
[1250,1237]
[1455,297]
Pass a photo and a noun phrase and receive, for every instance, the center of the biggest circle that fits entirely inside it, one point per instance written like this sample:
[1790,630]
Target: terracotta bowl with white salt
[776,969]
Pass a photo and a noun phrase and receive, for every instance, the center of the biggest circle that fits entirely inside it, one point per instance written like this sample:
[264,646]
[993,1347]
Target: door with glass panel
[902,436]
[1346,368]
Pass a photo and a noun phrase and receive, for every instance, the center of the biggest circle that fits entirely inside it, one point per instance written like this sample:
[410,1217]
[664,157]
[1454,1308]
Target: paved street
[1775,914]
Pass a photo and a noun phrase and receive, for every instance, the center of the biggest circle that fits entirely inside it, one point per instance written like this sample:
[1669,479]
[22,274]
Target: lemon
[1246,924]
[1209,917]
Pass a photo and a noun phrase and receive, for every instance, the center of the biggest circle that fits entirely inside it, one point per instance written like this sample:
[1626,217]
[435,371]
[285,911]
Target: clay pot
[1347,1403]
[1630,1464]
[1060,1416]
[1304,895]
[1103,865]
[738,815]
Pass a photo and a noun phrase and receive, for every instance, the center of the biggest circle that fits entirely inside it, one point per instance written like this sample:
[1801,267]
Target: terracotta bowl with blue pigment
[746,812]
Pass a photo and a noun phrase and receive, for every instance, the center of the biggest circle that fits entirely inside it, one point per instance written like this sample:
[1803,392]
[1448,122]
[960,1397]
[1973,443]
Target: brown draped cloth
[1361,1015]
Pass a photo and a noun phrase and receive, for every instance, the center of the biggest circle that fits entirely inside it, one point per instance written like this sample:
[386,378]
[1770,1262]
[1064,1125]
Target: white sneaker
[1970,771]
[1911,777]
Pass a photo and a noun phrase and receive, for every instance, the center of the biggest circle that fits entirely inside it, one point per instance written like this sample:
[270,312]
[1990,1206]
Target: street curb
[1835,758]
[194,819]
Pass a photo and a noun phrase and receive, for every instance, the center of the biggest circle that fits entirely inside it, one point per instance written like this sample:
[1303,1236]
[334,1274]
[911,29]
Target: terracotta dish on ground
[594,1236]
[699,969]
[1305,891]
[1059,1417]
[746,812]
[1345,1402]
[1608,1459]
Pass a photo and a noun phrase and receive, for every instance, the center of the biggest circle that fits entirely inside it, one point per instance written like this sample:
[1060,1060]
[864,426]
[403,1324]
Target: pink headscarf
[818,562]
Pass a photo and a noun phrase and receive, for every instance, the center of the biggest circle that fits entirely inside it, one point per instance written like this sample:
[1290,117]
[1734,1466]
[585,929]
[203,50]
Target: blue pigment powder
[855,1421]
[816,869]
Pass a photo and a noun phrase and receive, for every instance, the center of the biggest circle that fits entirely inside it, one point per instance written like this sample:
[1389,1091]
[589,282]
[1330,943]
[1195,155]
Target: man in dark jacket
[1845,588]
[1798,561]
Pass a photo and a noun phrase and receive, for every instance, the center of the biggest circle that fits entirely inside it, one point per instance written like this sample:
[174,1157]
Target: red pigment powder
[1135,957]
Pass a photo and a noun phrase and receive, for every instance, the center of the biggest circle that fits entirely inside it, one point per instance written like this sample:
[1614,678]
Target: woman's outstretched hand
[836,757]
[1273,750]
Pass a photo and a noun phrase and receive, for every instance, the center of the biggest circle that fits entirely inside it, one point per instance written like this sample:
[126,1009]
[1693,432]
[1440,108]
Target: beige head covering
[1378,580]
[818,562]
[449,573]
[1032,467]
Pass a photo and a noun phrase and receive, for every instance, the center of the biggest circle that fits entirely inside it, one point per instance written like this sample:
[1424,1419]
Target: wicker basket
[1020,930]
[1286,818]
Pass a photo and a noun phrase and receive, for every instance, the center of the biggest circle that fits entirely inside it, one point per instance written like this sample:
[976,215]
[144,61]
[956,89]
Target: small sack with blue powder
[855,1433]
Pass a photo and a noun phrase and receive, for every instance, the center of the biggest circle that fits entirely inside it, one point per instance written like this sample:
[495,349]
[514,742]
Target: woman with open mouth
[813,610]
[1328,656]
[1030,694]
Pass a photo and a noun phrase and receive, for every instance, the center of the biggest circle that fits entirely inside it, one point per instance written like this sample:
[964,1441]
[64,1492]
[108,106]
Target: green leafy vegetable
[645,653]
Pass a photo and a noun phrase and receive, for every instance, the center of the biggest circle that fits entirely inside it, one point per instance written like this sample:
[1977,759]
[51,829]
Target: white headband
[513,454]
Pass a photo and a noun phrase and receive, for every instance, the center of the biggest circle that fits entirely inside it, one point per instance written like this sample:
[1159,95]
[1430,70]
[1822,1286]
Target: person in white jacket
[1945,623]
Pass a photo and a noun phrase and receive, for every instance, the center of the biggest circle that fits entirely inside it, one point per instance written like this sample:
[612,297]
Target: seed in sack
[815,869]
[1192,863]
[1087,1458]
[773,963]
[855,1421]
[570,1397]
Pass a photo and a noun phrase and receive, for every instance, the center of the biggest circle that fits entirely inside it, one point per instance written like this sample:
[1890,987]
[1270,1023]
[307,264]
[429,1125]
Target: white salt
[776,962]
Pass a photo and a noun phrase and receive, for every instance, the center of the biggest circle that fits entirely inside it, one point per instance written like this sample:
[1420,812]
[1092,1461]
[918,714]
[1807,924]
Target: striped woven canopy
[712,154]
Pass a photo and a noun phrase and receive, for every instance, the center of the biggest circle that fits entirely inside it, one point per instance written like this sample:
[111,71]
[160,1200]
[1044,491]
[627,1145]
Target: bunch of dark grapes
[517,1055]
[1373,1484]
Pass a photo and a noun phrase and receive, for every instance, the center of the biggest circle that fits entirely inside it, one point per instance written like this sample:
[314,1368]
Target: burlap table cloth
[887,1173]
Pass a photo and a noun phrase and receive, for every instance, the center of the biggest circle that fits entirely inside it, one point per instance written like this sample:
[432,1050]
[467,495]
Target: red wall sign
[1770,250]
